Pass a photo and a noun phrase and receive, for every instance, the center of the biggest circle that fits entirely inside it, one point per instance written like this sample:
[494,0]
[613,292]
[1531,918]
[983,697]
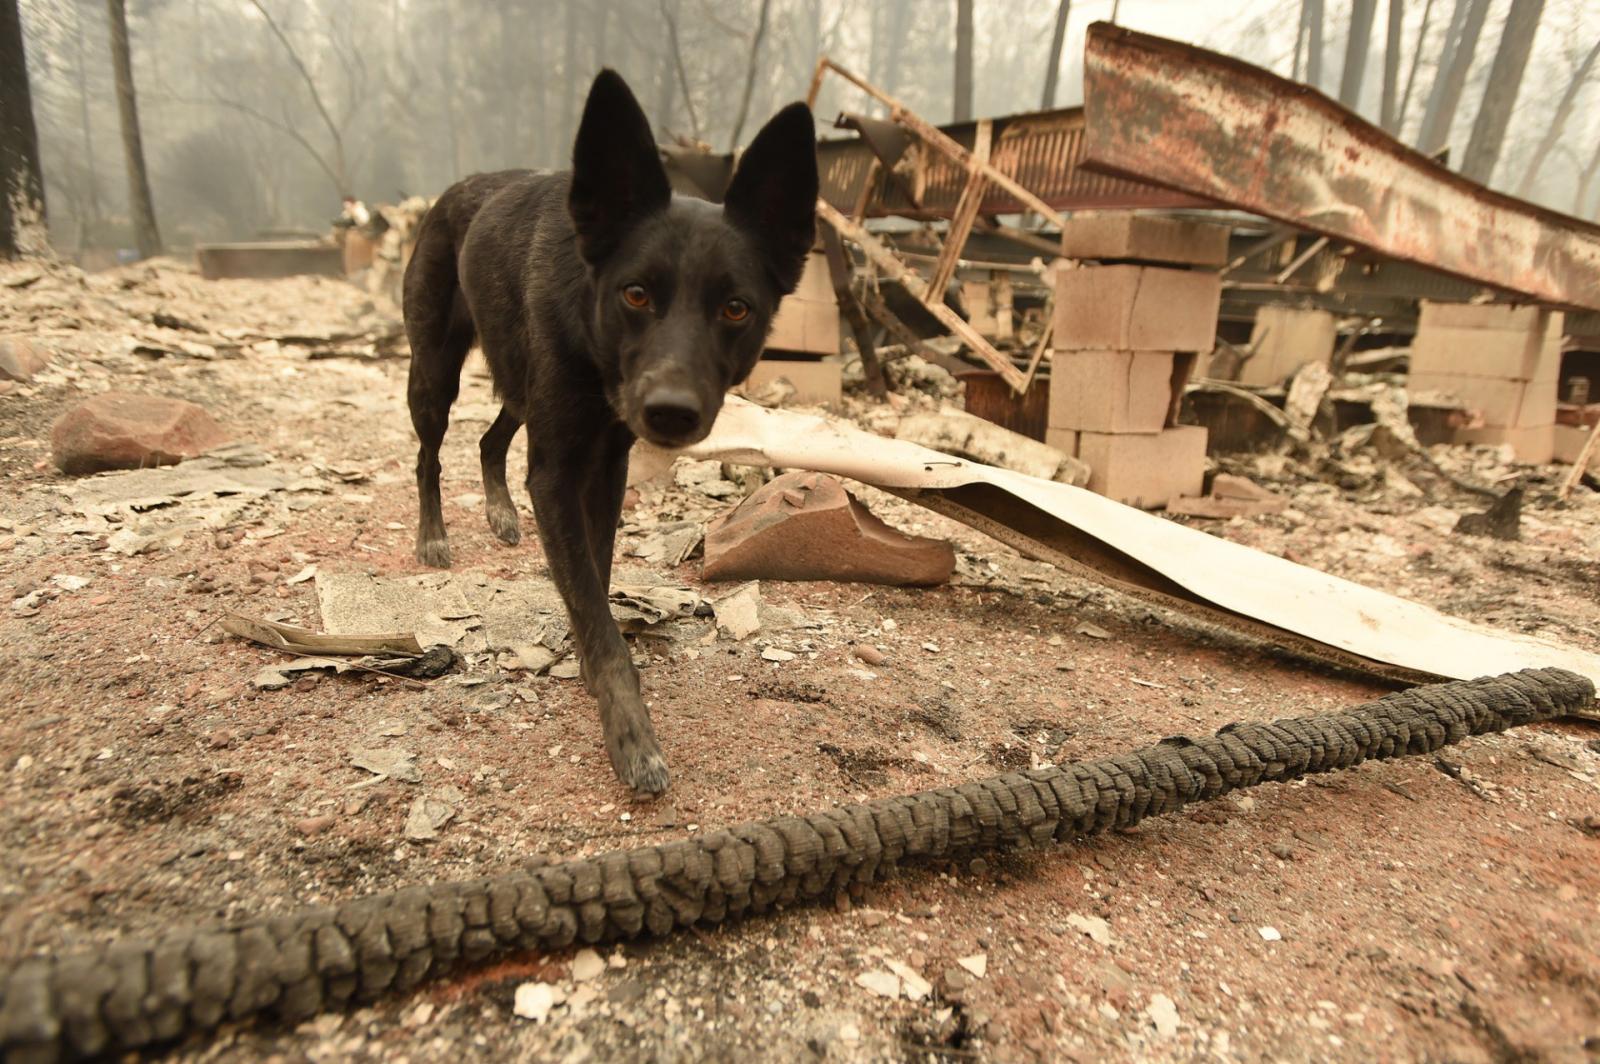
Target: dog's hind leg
[492,448]
[439,327]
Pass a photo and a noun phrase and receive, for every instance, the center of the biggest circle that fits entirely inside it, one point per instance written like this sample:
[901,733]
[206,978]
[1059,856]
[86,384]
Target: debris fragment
[969,436]
[1096,928]
[296,640]
[122,430]
[1231,496]
[977,964]
[1269,934]
[388,763]
[533,1001]
[739,614]
[1092,630]
[586,965]
[884,984]
[912,984]
[20,359]
[1163,1015]
[430,812]
[805,526]
[1502,520]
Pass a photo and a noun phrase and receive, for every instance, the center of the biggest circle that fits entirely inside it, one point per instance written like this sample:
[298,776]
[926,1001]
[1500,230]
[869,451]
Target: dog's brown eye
[735,310]
[635,296]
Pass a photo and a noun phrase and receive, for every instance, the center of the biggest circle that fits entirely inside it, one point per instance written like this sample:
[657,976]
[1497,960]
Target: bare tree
[1389,108]
[22,219]
[750,73]
[85,122]
[962,111]
[140,206]
[1586,176]
[1311,12]
[1558,121]
[1411,75]
[340,171]
[1500,94]
[1357,45]
[1461,45]
[1052,73]
[683,73]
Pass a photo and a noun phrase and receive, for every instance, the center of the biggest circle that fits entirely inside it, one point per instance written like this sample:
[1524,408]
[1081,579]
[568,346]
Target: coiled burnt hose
[136,993]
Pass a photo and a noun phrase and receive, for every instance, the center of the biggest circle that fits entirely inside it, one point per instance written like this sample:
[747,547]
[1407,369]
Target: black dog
[608,310]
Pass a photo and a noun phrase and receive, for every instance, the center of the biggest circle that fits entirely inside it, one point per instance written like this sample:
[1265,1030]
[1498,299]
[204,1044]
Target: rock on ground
[122,430]
[20,359]
[805,526]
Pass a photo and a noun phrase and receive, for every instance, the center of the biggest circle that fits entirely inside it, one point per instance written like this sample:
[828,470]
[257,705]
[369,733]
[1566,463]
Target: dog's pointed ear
[617,176]
[773,194]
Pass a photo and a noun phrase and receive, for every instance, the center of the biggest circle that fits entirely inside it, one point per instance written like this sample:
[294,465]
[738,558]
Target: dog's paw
[434,552]
[504,524]
[646,773]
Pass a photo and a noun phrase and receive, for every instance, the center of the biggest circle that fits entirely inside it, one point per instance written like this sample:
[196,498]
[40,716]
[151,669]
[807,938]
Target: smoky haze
[257,115]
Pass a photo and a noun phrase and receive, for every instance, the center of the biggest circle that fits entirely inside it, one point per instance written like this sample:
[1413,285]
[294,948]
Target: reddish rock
[20,359]
[805,526]
[120,430]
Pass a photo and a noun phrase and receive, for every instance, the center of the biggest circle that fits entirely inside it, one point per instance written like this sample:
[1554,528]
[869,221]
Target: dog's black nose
[672,414]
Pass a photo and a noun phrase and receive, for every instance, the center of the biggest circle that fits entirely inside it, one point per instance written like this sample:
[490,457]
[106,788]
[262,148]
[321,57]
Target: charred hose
[135,993]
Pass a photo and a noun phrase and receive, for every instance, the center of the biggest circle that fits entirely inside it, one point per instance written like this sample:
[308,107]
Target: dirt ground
[1394,912]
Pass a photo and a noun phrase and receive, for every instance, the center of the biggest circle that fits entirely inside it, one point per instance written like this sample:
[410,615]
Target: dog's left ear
[773,194]
[617,176]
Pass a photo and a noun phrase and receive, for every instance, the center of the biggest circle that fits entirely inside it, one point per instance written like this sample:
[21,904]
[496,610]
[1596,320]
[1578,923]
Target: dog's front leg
[569,479]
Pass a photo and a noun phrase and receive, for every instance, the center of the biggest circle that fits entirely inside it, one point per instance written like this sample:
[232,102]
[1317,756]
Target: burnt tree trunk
[962,111]
[897,34]
[140,206]
[1411,75]
[750,74]
[1451,79]
[1311,10]
[569,82]
[1356,48]
[1389,108]
[1500,94]
[22,223]
[1558,121]
[1052,73]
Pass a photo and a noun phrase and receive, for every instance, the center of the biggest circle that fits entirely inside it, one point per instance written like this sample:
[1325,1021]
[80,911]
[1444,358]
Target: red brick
[1110,391]
[1136,308]
[805,526]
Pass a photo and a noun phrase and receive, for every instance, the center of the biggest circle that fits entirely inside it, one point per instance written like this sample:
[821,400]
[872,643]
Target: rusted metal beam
[884,258]
[1170,114]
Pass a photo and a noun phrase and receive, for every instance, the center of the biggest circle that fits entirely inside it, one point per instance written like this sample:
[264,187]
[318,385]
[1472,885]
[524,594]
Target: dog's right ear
[617,176]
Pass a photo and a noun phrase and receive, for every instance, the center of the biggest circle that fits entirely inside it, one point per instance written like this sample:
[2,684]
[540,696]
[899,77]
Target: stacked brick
[803,346]
[1130,321]
[1502,361]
